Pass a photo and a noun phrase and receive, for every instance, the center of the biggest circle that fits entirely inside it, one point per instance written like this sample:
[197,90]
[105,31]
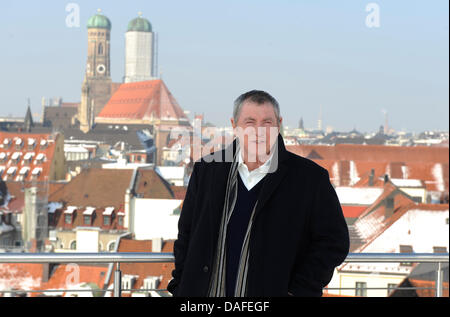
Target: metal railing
[141,257]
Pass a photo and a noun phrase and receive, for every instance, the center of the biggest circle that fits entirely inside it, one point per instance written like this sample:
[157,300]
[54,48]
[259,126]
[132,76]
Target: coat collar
[277,171]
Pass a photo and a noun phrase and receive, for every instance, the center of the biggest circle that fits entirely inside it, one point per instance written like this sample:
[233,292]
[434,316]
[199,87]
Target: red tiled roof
[95,187]
[142,101]
[374,153]
[16,152]
[374,220]
[143,270]
[84,274]
[352,211]
[428,284]
[20,276]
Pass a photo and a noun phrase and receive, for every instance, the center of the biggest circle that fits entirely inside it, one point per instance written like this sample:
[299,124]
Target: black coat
[299,234]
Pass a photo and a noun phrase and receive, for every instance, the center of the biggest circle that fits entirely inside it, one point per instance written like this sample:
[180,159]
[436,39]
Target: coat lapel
[271,182]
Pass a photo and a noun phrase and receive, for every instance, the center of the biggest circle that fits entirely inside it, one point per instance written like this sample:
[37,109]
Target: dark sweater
[237,227]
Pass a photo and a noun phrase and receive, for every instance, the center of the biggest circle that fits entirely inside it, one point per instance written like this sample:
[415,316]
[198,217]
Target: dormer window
[107,216]
[31,144]
[88,215]
[28,158]
[6,143]
[3,157]
[151,283]
[40,158]
[36,172]
[19,144]
[128,282]
[120,216]
[69,214]
[23,173]
[11,171]
[43,144]
[16,157]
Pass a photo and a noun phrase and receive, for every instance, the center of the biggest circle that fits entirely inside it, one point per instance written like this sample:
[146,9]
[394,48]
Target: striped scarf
[217,285]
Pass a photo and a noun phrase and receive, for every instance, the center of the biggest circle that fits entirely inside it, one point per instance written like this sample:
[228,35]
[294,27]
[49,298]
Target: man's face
[257,128]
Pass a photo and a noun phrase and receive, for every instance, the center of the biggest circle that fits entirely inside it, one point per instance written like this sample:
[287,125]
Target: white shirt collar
[264,168]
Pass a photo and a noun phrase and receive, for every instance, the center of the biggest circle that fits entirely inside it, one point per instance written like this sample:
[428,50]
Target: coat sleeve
[328,242]
[184,230]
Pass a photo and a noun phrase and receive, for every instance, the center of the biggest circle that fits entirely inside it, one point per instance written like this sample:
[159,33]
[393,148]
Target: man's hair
[257,96]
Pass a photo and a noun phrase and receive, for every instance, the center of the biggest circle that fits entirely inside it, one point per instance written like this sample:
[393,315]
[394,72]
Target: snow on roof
[16,155]
[11,170]
[70,209]
[28,156]
[52,206]
[76,148]
[89,211]
[358,195]
[108,211]
[24,170]
[36,170]
[170,172]
[400,182]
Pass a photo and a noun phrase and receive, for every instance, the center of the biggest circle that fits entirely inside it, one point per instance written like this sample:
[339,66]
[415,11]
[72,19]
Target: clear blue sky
[305,53]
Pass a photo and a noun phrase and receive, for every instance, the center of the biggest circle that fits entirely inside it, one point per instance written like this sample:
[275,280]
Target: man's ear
[280,121]
[233,124]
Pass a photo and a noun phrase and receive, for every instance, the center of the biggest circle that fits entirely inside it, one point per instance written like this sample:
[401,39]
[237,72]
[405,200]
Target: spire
[28,122]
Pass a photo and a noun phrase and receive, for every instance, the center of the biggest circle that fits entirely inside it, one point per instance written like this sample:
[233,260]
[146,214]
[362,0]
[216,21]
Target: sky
[309,55]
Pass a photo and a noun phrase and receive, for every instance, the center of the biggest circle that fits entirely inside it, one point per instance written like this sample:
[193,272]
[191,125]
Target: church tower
[96,90]
[139,50]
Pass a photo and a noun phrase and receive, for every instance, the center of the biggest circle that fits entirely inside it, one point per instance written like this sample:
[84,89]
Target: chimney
[157,244]
[389,207]
[386,178]
[371,177]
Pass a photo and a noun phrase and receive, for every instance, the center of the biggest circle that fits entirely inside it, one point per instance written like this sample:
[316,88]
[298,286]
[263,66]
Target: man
[258,221]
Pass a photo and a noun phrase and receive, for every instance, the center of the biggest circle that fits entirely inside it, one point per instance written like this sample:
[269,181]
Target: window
[73,245]
[439,250]
[100,49]
[120,221]
[106,220]
[68,218]
[406,249]
[151,282]
[111,246]
[390,288]
[361,289]
[87,219]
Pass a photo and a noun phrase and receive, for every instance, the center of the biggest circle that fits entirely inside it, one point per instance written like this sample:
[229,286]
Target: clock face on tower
[101,69]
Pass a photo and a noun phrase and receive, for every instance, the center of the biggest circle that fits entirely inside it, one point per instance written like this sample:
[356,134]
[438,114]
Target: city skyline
[314,58]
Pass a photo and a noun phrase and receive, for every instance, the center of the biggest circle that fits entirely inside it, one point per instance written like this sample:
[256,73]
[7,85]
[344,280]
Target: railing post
[439,280]
[117,281]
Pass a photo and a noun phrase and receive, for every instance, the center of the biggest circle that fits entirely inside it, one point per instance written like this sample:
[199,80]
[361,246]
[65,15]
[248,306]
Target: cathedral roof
[99,21]
[144,100]
[139,24]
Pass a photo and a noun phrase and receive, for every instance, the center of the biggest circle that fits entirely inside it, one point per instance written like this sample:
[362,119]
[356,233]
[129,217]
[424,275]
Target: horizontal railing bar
[379,288]
[113,257]
[143,257]
[79,290]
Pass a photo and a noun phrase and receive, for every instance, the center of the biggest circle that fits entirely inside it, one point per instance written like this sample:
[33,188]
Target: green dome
[99,21]
[139,24]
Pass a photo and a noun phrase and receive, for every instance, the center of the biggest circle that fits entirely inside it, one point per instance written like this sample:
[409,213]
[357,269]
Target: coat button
[205,269]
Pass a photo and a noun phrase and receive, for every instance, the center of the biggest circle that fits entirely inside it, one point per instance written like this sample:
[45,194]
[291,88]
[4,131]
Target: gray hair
[257,96]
